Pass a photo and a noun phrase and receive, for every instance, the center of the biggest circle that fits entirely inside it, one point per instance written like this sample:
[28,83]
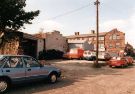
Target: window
[2,60]
[110,46]
[101,38]
[118,37]
[90,39]
[101,45]
[114,36]
[117,45]
[31,62]
[78,38]
[14,62]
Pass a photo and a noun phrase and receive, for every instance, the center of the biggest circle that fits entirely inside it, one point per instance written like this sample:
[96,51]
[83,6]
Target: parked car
[118,62]
[104,56]
[17,69]
[76,53]
[89,55]
[130,60]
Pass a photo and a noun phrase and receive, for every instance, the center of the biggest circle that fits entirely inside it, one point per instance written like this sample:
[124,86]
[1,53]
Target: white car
[89,55]
[104,56]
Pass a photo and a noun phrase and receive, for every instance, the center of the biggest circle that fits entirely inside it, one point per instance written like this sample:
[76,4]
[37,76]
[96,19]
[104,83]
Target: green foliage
[13,16]
[129,50]
[50,54]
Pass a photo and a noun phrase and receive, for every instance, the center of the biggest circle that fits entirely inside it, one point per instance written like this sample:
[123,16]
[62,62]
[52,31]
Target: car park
[17,69]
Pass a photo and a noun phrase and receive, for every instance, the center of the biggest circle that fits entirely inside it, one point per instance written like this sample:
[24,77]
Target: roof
[40,35]
[86,35]
[29,36]
[13,55]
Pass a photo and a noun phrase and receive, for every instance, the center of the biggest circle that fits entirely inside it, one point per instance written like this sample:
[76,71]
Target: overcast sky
[113,14]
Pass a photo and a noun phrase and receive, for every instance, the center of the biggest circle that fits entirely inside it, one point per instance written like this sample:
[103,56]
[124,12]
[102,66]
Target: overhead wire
[70,12]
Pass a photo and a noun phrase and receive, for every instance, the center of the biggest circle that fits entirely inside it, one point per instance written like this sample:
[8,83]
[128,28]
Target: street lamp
[97,32]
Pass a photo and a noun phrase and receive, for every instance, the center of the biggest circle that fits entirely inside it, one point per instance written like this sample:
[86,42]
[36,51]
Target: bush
[50,54]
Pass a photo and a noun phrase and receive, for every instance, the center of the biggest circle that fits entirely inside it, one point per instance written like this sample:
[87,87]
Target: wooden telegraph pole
[96,64]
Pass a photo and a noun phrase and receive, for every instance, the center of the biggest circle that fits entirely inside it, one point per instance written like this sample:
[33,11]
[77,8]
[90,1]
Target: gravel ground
[80,78]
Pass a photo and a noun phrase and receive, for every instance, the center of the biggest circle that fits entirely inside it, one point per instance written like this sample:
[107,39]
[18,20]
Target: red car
[118,62]
[130,60]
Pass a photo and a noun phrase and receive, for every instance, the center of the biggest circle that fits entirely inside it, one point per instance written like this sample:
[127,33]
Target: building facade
[83,44]
[53,40]
[112,41]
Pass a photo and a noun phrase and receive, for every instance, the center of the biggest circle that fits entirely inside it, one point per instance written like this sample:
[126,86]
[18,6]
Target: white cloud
[48,26]
[51,25]
[108,25]
[126,25]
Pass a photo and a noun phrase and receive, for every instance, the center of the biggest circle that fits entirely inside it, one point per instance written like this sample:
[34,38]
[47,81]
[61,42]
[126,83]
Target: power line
[69,12]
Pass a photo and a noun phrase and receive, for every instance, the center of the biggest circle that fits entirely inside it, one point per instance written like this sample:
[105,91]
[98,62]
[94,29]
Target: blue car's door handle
[7,70]
[29,69]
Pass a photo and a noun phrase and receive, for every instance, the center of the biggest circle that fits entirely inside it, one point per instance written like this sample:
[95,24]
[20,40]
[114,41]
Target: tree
[129,50]
[13,16]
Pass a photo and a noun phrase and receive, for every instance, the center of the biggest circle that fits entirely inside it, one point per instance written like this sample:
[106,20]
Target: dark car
[16,69]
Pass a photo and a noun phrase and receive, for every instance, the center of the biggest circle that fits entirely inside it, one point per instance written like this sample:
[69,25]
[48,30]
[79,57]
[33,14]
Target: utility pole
[97,32]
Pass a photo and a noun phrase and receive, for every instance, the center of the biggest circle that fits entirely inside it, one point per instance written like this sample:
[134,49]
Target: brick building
[112,41]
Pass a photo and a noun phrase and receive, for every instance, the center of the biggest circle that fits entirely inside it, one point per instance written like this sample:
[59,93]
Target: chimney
[92,31]
[76,33]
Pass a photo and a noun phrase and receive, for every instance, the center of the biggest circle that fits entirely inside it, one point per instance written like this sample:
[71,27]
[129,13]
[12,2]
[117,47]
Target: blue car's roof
[15,55]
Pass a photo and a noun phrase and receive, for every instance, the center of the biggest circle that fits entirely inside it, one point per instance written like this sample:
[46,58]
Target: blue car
[16,69]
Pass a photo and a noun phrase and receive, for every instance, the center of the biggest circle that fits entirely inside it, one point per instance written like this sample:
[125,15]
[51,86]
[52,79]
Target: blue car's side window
[14,62]
[30,62]
[3,61]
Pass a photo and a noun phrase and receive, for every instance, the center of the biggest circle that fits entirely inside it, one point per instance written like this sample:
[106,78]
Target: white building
[53,40]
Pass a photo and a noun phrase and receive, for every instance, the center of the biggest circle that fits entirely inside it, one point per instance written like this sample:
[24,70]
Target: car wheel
[110,65]
[53,78]
[123,66]
[4,86]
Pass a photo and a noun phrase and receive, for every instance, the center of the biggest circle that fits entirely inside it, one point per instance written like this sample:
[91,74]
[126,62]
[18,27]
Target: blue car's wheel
[4,86]
[53,78]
